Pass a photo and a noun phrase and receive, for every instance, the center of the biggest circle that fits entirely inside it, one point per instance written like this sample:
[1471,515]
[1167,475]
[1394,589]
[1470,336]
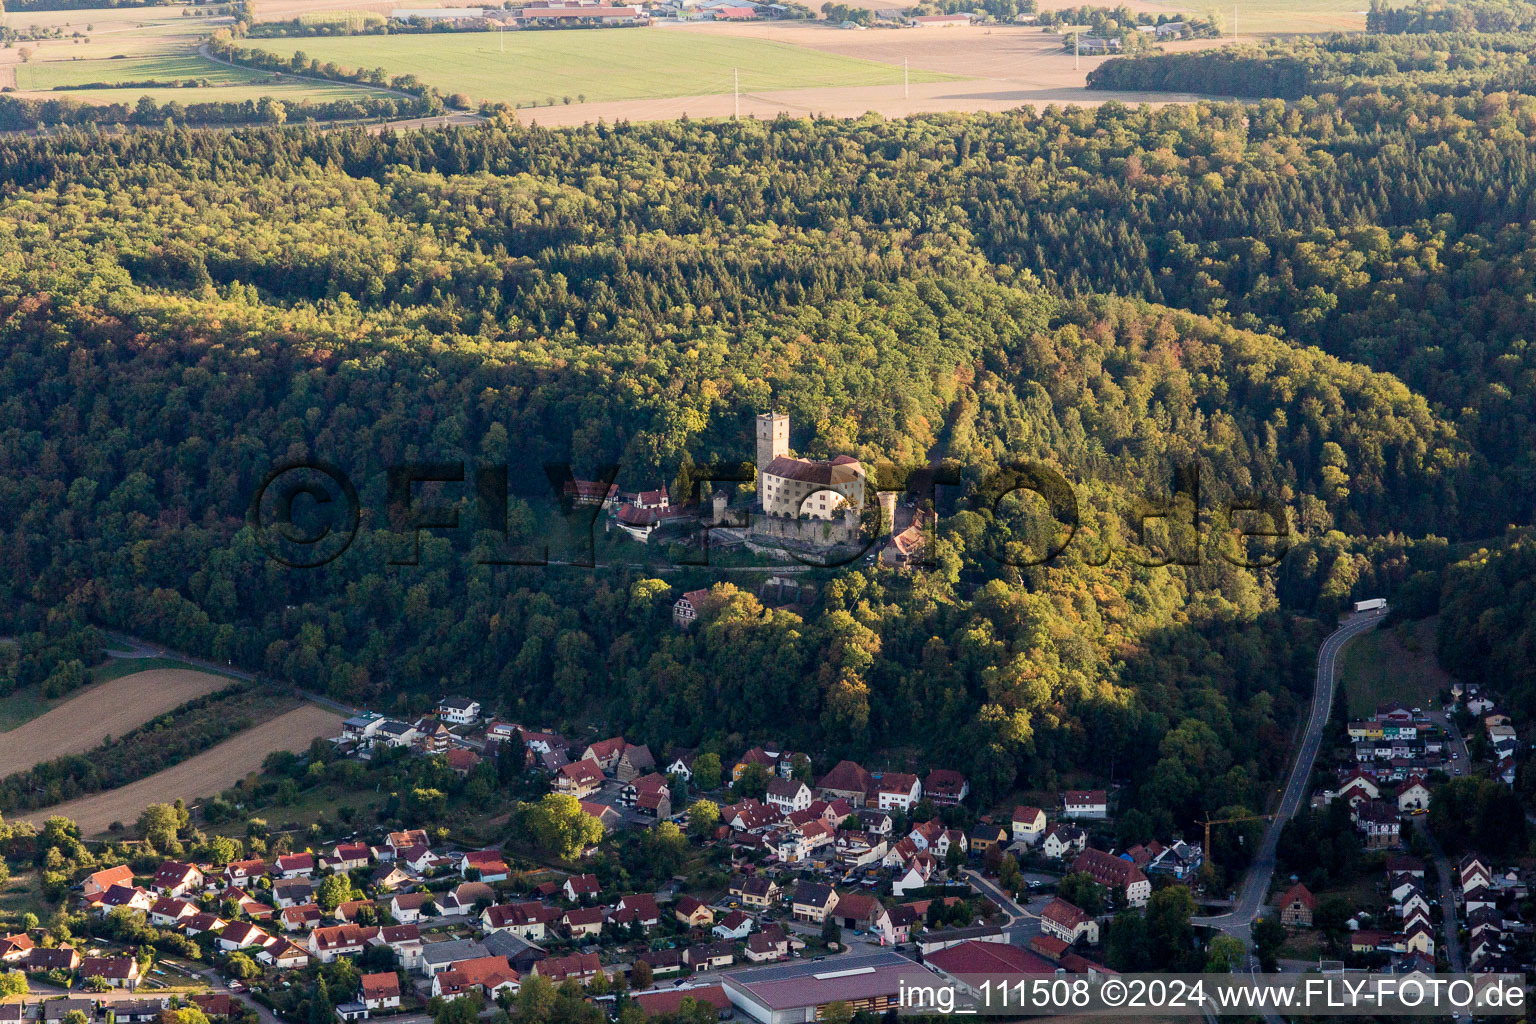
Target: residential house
[1296,906]
[605,753]
[1412,795]
[579,778]
[243,935]
[1028,825]
[708,956]
[99,882]
[897,791]
[116,971]
[788,795]
[685,610]
[301,918]
[173,878]
[405,940]
[1122,876]
[577,886]
[284,955]
[294,865]
[734,925]
[1085,803]
[53,958]
[458,710]
[407,907]
[769,944]
[946,787]
[380,991]
[1067,922]
[983,837]
[692,912]
[437,957]
[583,922]
[326,944]
[640,908]
[1062,841]
[813,901]
[756,891]
[169,912]
[488,865]
[581,967]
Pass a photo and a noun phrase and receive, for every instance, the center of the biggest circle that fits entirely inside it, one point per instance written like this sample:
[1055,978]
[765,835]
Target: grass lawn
[600,64]
[23,893]
[1393,665]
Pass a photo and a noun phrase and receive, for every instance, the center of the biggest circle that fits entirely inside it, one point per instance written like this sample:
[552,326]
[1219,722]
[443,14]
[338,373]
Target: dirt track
[204,775]
[111,709]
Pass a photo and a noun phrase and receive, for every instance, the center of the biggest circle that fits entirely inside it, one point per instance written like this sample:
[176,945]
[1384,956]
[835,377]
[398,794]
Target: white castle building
[803,488]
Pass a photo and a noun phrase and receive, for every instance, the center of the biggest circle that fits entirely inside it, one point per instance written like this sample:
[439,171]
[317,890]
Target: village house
[692,912]
[1062,841]
[685,610]
[897,791]
[788,795]
[458,710]
[946,787]
[380,991]
[1296,906]
[1085,803]
[1028,825]
[326,944]
[116,971]
[583,922]
[99,882]
[813,901]
[1067,922]
[173,878]
[579,778]
[577,886]
[734,925]
[1121,876]
[755,891]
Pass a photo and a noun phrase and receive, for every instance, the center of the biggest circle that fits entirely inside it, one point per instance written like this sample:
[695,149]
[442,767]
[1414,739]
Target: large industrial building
[797,993]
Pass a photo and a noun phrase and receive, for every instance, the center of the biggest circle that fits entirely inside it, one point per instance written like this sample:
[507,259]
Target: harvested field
[110,709]
[206,774]
[1012,67]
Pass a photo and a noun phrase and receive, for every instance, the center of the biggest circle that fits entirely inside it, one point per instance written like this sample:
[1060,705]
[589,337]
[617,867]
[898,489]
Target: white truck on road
[1372,604]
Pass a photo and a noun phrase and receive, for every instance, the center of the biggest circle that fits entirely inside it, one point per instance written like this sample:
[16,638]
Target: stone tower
[720,500]
[772,441]
[887,512]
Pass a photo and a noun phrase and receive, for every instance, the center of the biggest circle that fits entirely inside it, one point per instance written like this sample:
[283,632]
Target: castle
[802,488]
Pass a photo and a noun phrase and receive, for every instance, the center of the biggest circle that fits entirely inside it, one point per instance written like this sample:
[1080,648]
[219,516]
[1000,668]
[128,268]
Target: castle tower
[887,512]
[772,441]
[720,499]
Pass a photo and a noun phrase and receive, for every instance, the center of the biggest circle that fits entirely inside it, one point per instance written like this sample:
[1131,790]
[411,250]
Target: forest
[1321,303]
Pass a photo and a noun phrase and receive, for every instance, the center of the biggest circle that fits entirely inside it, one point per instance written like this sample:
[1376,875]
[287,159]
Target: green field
[1393,665]
[52,74]
[604,64]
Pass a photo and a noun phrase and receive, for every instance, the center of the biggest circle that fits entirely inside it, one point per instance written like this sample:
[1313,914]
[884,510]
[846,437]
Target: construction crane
[1206,850]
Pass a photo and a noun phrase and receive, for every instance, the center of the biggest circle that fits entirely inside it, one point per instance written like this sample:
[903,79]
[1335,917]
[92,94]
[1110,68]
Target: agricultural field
[89,717]
[134,45]
[598,65]
[206,774]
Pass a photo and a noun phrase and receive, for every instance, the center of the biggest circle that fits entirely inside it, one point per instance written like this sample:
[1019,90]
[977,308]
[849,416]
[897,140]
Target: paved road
[1447,897]
[1019,925]
[1239,921]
